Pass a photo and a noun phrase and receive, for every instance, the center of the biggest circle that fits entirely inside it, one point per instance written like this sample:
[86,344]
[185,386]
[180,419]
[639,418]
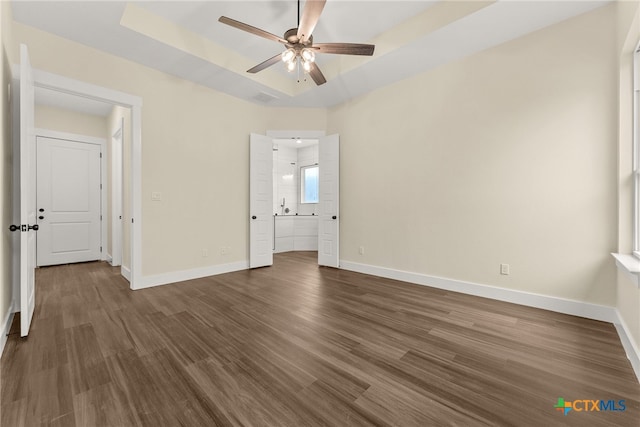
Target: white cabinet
[296,233]
[305,233]
[284,234]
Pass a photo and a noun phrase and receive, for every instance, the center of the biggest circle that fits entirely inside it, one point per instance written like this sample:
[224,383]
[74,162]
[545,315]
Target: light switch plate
[504,269]
[156,196]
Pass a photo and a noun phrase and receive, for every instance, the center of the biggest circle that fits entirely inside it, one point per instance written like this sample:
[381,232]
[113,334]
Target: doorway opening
[294,196]
[71,228]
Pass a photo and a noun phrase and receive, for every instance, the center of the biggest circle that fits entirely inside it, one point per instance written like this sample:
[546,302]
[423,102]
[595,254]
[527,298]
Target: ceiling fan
[299,42]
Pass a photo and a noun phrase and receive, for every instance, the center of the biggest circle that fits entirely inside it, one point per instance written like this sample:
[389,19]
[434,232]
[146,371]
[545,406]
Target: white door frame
[46,133]
[116,195]
[76,87]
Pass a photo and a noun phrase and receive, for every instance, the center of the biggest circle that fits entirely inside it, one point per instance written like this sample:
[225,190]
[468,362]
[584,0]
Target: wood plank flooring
[298,345]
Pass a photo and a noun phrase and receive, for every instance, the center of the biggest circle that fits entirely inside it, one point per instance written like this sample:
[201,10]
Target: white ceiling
[410,36]
[294,142]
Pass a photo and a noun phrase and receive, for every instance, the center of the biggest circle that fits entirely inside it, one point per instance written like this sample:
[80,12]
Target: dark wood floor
[298,345]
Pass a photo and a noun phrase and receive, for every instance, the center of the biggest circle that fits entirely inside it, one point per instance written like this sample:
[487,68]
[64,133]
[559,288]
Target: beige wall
[61,120]
[6,169]
[628,294]
[507,156]
[195,152]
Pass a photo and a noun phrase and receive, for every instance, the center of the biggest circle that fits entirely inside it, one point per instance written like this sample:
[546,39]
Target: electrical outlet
[205,253]
[361,250]
[504,269]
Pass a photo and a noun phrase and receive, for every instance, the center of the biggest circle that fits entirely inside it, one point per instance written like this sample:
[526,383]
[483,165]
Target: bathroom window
[309,184]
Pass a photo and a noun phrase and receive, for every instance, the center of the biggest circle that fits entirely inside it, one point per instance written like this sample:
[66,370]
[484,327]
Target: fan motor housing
[292,37]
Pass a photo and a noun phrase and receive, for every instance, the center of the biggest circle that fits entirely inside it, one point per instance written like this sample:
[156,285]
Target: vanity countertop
[291,215]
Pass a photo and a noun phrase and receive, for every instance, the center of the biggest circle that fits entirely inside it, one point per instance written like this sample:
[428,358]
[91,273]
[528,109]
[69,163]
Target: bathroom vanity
[295,233]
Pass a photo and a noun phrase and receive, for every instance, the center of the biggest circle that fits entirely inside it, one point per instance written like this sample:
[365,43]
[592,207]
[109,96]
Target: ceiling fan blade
[345,48]
[316,74]
[268,63]
[251,29]
[309,18]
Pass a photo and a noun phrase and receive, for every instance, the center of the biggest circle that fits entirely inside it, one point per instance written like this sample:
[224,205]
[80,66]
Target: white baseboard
[196,273]
[546,302]
[6,326]
[629,344]
[108,258]
[126,273]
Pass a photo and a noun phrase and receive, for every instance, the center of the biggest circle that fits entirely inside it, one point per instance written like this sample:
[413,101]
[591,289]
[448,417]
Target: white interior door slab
[329,223]
[116,196]
[27,187]
[260,201]
[68,201]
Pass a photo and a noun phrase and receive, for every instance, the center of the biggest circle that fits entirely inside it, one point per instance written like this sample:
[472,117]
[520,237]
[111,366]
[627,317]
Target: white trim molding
[46,133]
[628,343]
[6,326]
[630,265]
[196,273]
[126,273]
[545,302]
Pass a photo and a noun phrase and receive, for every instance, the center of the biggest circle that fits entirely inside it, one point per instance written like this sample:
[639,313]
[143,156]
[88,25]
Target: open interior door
[328,226]
[27,187]
[260,201]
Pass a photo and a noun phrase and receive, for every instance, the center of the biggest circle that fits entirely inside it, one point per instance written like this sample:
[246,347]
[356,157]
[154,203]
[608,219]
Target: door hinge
[100,155]
[100,248]
[101,186]
[100,217]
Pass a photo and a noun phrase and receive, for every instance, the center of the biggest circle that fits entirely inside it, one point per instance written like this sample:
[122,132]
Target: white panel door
[116,196]
[27,187]
[260,201]
[68,201]
[328,222]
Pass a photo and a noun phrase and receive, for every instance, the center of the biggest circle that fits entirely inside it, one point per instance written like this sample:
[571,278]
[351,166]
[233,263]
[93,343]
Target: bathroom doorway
[295,194]
[304,197]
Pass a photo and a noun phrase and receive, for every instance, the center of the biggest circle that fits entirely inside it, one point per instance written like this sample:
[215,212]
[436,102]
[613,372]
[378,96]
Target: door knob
[40,217]
[41,210]
[334,217]
[254,217]
[14,227]
[34,227]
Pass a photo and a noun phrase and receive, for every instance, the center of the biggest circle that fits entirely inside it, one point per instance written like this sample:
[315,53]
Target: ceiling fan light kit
[292,57]
[301,51]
